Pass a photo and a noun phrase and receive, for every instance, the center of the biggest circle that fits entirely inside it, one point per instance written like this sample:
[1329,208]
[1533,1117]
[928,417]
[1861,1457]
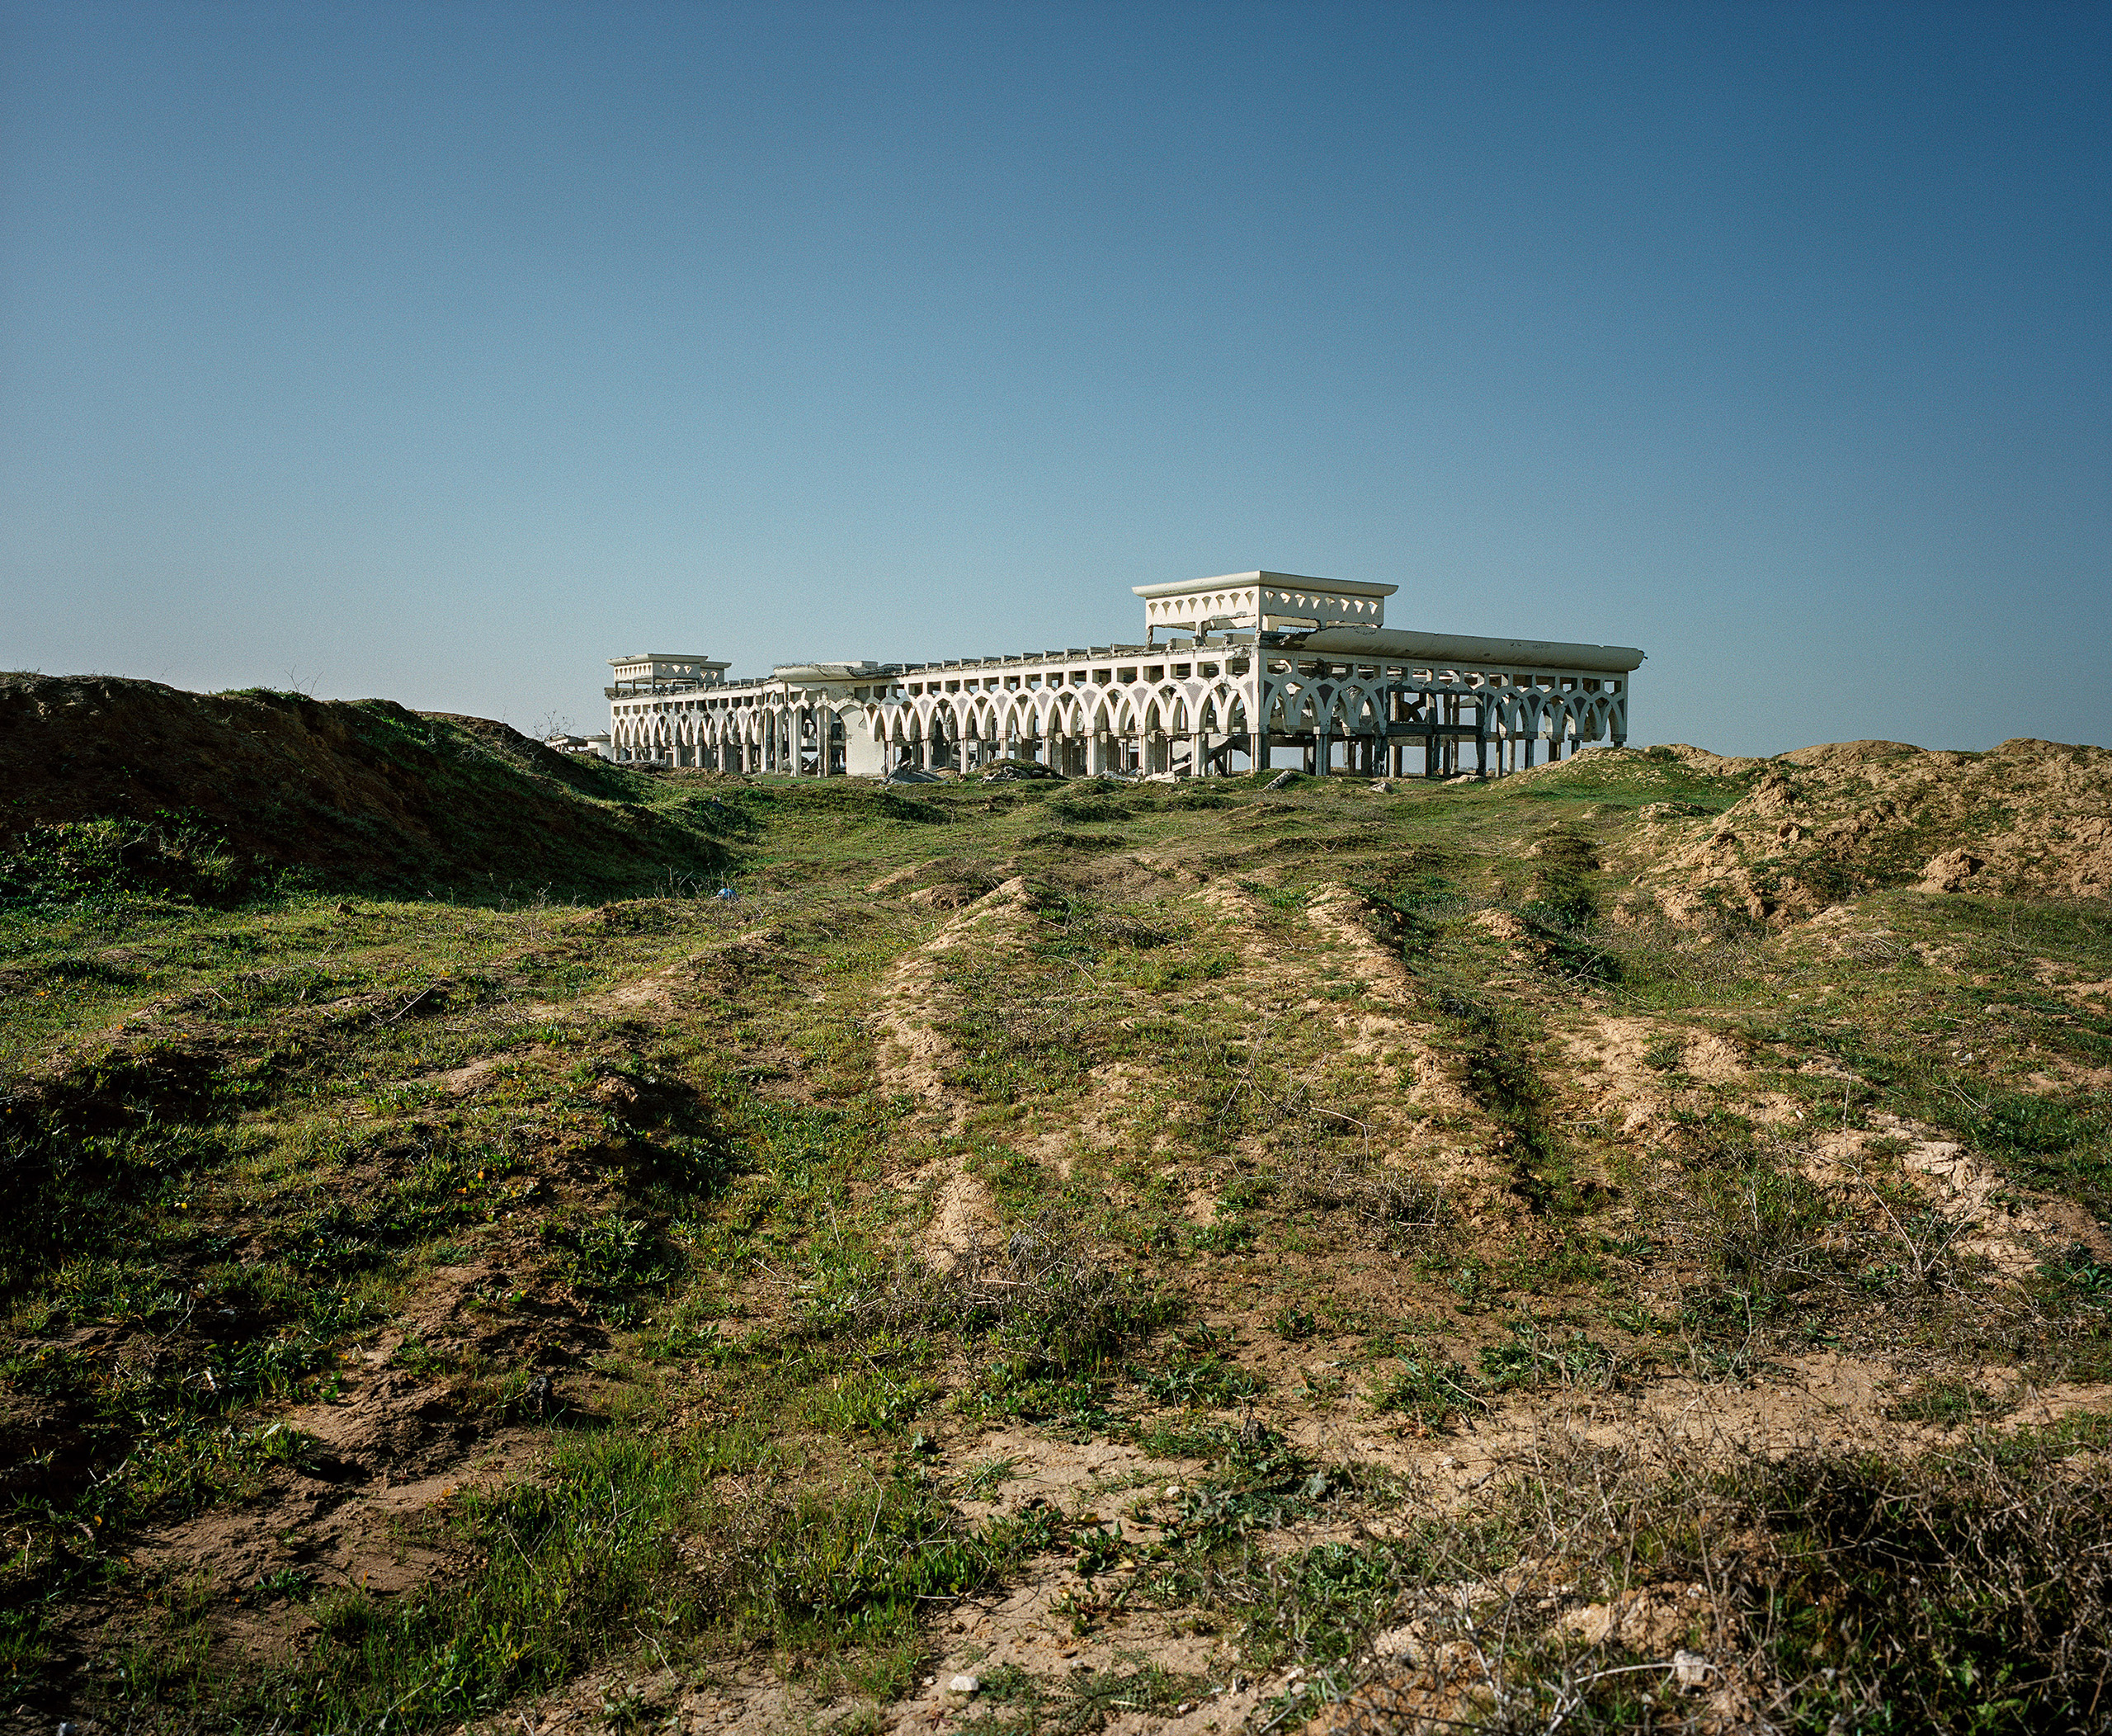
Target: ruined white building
[1232,672]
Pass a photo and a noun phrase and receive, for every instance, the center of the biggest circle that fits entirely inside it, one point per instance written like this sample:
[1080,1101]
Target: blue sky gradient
[442,351]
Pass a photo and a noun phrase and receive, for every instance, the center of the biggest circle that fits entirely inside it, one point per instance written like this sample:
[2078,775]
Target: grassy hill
[128,783]
[1625,1248]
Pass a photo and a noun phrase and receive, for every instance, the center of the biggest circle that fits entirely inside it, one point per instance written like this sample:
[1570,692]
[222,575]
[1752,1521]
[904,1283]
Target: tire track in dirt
[656,994]
[911,1055]
[1339,914]
[1613,1077]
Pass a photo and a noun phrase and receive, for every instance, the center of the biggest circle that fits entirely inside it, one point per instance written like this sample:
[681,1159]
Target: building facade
[1250,667]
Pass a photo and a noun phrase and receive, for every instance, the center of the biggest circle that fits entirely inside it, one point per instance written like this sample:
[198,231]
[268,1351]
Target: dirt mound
[202,788]
[2030,819]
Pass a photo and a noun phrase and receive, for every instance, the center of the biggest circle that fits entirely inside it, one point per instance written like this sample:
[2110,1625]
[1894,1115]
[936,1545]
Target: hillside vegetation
[1624,1247]
[105,781]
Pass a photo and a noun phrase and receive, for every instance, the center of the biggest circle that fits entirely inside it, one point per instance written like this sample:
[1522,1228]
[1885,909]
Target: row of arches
[799,740]
[1079,731]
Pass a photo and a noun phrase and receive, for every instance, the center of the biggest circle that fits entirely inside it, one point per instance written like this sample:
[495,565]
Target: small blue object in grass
[725,892]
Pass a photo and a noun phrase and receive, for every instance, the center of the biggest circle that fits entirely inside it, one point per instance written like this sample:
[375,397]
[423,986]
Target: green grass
[673,1248]
[617,1530]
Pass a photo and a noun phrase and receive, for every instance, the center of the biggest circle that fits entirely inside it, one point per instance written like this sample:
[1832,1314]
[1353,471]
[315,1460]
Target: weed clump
[1397,1208]
[1982,1578]
[1427,1386]
[167,854]
[1016,1038]
[1051,1319]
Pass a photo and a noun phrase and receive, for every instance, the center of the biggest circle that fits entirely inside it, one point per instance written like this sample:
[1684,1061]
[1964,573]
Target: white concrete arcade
[1234,674]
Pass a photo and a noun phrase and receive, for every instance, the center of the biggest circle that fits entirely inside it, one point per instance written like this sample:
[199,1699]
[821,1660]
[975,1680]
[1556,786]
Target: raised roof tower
[649,672]
[1273,602]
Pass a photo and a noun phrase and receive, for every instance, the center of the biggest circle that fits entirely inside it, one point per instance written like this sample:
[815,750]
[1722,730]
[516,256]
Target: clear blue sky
[440,351]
